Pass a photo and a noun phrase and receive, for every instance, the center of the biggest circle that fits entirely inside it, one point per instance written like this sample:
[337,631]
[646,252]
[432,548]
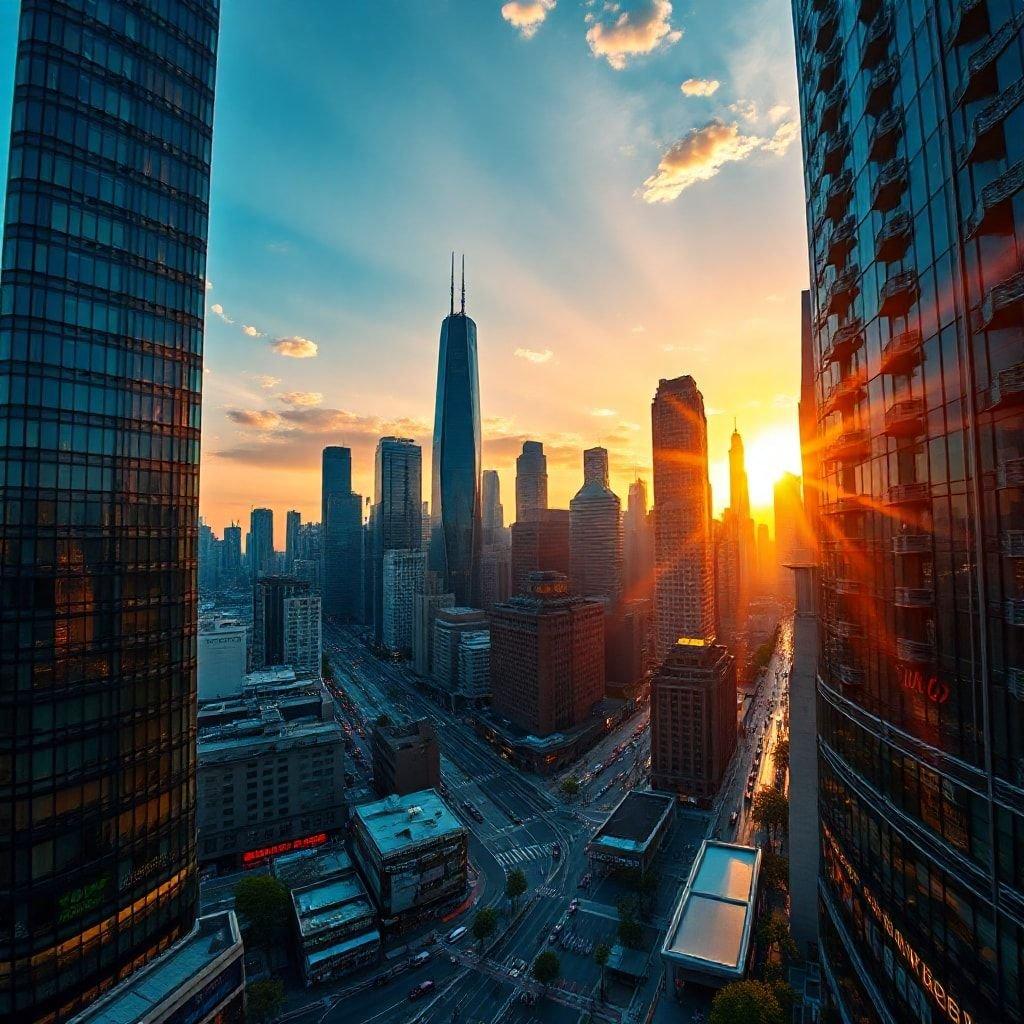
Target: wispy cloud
[700,86]
[527,15]
[533,356]
[251,331]
[260,419]
[218,310]
[267,382]
[783,138]
[301,398]
[295,347]
[629,28]
[603,413]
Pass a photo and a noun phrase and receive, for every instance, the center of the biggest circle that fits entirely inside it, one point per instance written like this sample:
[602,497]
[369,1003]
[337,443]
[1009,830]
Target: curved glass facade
[101,332]
[455,505]
[913,134]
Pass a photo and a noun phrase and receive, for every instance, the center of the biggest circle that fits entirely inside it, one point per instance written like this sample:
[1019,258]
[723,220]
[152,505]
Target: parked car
[420,958]
[456,933]
[421,990]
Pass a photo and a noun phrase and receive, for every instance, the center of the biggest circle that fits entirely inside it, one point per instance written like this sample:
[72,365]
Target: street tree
[570,788]
[547,967]
[484,924]
[631,932]
[775,872]
[264,903]
[601,955]
[263,1000]
[782,753]
[774,935]
[771,812]
[746,1002]
[515,885]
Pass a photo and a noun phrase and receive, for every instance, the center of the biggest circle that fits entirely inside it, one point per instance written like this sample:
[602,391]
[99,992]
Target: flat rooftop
[313,899]
[346,946]
[711,925]
[304,867]
[633,823]
[397,822]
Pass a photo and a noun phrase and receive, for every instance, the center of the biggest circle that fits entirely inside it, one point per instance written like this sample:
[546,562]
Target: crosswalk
[520,854]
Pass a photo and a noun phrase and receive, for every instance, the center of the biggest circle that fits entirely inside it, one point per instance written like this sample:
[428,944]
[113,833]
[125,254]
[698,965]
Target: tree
[570,788]
[782,753]
[631,932]
[546,967]
[746,1002]
[383,721]
[263,1000]
[774,934]
[325,667]
[484,924]
[515,885]
[775,871]
[601,955]
[263,902]
[771,812]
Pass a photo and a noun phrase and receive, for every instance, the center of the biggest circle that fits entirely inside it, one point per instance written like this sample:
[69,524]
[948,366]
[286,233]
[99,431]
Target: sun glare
[770,453]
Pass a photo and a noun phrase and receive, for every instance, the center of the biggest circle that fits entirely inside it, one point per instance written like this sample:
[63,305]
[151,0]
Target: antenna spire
[463,284]
[451,309]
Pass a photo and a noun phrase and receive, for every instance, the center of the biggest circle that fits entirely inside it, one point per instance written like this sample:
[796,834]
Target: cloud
[637,329]
[533,356]
[626,28]
[218,310]
[698,156]
[301,398]
[783,138]
[251,331]
[267,382]
[527,15]
[700,86]
[602,412]
[746,110]
[777,113]
[295,347]
[259,419]
[209,285]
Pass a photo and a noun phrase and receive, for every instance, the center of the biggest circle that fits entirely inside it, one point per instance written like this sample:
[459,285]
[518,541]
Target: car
[556,851]
[421,990]
[456,933]
[381,980]
[574,905]
[734,817]
[558,927]
[420,958]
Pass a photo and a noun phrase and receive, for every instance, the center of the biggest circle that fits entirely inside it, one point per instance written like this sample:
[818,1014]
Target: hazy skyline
[625,218]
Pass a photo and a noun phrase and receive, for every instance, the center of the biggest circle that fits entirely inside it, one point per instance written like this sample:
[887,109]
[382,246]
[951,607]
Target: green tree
[775,872]
[570,788]
[631,932]
[601,955]
[547,967]
[484,924]
[746,1002]
[774,935]
[771,812]
[515,885]
[782,753]
[263,1000]
[264,903]
[383,721]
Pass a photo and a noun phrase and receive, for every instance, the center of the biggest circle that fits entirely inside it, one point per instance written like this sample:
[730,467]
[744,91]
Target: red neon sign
[253,856]
[933,688]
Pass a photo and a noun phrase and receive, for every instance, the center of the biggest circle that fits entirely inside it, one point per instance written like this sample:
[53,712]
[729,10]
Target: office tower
[913,145]
[455,484]
[308,570]
[493,513]
[807,417]
[531,482]
[450,624]
[231,560]
[547,656]
[402,577]
[693,718]
[261,552]
[495,575]
[426,527]
[341,537]
[209,558]
[629,648]
[790,531]
[638,544]
[406,757]
[303,646]
[726,546]
[309,547]
[293,524]
[397,508]
[540,545]
[268,618]
[595,532]
[475,665]
[101,363]
[741,528]
[425,608]
[684,603]
[765,558]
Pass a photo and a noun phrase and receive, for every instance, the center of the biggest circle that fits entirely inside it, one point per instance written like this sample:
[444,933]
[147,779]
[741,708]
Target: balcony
[842,506]
[844,394]
[876,42]
[881,87]
[913,597]
[894,238]
[831,108]
[1013,543]
[837,147]
[846,629]
[912,544]
[1013,611]
[916,493]
[898,294]
[829,65]
[1008,387]
[905,417]
[850,675]
[1010,473]
[838,197]
[889,186]
[846,586]
[828,26]
[1015,683]
[979,78]
[845,342]
[970,22]
[902,352]
[885,135]
[868,9]
[851,446]
[986,140]
[841,242]
[843,290]
[1001,306]
[914,652]
[993,213]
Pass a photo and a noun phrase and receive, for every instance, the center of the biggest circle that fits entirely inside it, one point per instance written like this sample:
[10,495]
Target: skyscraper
[402,577]
[540,545]
[231,563]
[684,604]
[790,530]
[595,527]
[101,367]
[261,552]
[268,617]
[807,414]
[397,511]
[493,513]
[913,147]
[293,523]
[341,537]
[455,485]
[638,544]
[531,482]
[736,559]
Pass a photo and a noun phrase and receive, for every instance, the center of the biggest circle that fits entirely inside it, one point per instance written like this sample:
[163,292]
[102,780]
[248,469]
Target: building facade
[303,643]
[293,524]
[425,609]
[475,665]
[450,624]
[100,369]
[406,757]
[638,544]
[341,538]
[493,513]
[268,618]
[261,543]
[402,578]
[913,135]
[541,544]
[531,482]
[221,658]
[595,532]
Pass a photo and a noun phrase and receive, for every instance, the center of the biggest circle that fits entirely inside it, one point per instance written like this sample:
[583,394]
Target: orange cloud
[630,28]
[261,420]
[301,398]
[700,86]
[295,348]
[527,15]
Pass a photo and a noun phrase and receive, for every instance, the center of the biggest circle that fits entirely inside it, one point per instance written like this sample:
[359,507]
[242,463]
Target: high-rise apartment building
[493,513]
[638,544]
[397,508]
[293,524]
[684,604]
[261,543]
[402,578]
[268,618]
[455,503]
[450,625]
[913,133]
[231,560]
[101,337]
[595,532]
[540,545]
[531,482]
[303,645]
[341,538]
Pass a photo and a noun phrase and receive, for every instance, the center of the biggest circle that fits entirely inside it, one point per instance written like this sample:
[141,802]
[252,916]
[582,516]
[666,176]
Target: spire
[463,284]
[451,308]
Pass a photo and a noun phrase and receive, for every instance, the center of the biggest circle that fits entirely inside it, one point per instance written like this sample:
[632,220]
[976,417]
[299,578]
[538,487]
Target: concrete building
[413,853]
[531,482]
[541,544]
[547,656]
[684,603]
[495,574]
[638,545]
[595,532]
[221,657]
[693,718]
[406,758]
[632,834]
[449,626]
[629,649]
[303,647]
[268,618]
[425,609]
[403,575]
[293,524]
[474,683]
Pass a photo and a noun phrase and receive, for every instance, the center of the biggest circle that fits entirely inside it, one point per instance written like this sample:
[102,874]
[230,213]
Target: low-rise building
[633,833]
[406,757]
[413,853]
[220,658]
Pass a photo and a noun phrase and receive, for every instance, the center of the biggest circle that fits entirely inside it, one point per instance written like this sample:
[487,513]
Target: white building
[404,574]
[475,664]
[221,658]
[303,647]
[449,625]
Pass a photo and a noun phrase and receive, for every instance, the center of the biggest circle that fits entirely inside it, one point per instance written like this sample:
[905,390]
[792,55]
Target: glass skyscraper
[913,134]
[341,537]
[455,504]
[101,334]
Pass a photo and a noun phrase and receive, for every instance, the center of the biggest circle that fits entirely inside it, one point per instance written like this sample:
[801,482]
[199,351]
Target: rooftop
[304,867]
[346,946]
[238,739]
[401,821]
[633,823]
